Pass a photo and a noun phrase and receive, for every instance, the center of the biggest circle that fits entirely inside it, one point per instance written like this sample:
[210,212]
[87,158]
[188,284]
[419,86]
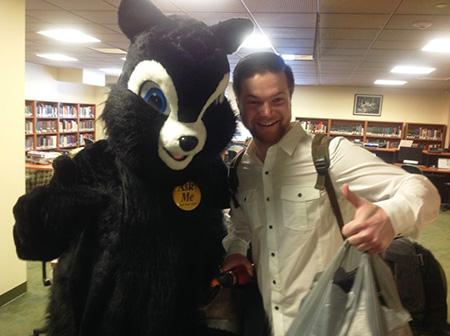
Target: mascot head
[169,105]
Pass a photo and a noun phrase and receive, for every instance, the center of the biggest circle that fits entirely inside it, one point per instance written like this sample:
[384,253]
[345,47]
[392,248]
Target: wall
[12,177]
[63,85]
[423,106]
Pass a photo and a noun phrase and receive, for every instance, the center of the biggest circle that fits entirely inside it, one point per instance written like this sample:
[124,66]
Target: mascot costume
[136,220]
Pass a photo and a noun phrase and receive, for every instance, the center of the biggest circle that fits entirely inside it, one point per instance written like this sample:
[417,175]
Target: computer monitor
[410,155]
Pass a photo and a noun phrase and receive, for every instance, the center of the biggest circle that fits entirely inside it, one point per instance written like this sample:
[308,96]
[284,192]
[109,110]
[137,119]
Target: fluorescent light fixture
[294,57]
[57,57]
[391,82]
[256,41]
[112,71]
[110,50]
[439,45]
[412,69]
[69,36]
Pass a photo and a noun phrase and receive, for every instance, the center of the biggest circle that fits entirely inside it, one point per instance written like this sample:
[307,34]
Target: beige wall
[63,85]
[12,177]
[424,106]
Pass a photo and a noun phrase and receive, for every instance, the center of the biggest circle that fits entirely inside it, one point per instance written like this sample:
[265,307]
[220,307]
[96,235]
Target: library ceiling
[352,42]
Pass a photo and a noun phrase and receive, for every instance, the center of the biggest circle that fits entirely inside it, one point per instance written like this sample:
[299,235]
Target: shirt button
[274,282]
[266,172]
[267,199]
[276,308]
[299,195]
[270,227]
[272,254]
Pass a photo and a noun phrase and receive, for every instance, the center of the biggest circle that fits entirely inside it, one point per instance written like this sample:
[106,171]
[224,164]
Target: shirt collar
[290,140]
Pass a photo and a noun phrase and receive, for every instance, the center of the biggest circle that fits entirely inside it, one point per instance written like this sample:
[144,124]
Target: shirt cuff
[237,246]
[400,216]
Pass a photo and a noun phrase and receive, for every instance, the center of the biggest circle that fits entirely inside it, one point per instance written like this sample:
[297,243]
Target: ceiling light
[441,5]
[68,35]
[389,82]
[293,57]
[110,50]
[57,57]
[112,71]
[422,24]
[256,41]
[440,45]
[123,58]
[411,69]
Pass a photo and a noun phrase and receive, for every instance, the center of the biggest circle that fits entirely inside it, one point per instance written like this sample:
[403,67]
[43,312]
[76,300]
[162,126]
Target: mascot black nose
[188,143]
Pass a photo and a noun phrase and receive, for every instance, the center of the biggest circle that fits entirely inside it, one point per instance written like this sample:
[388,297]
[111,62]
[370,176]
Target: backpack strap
[321,158]
[233,179]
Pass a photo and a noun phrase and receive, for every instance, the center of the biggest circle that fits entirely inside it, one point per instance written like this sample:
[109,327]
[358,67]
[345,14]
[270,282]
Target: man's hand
[371,229]
[236,259]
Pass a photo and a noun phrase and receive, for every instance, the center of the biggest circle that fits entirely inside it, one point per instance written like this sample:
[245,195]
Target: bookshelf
[383,136]
[58,125]
[427,136]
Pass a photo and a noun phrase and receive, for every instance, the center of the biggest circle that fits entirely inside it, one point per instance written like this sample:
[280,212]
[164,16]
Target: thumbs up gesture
[371,229]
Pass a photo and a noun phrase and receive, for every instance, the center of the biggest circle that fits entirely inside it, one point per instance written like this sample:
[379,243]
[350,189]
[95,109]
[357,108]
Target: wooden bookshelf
[379,134]
[58,125]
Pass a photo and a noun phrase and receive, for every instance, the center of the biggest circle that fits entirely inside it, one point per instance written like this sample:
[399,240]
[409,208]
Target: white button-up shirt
[291,225]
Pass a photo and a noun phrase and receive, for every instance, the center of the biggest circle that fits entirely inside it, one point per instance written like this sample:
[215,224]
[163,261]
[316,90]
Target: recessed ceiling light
[294,57]
[440,45]
[69,36]
[110,50]
[389,82]
[112,71]
[256,41]
[422,24]
[57,57]
[412,69]
[441,5]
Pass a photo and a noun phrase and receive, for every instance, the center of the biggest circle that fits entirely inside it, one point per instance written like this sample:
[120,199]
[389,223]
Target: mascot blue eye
[154,96]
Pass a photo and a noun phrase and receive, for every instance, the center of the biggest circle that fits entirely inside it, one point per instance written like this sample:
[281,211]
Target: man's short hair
[259,63]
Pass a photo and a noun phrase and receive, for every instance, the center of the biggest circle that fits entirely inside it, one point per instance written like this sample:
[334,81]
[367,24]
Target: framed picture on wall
[367,105]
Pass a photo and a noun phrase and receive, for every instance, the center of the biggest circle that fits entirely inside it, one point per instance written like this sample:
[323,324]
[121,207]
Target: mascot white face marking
[179,141]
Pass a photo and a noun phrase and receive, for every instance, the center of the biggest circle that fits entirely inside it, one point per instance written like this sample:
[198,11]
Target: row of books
[68,140]
[86,112]
[46,126]
[347,129]
[46,141]
[87,124]
[62,111]
[384,131]
[382,144]
[68,126]
[314,127]
[424,133]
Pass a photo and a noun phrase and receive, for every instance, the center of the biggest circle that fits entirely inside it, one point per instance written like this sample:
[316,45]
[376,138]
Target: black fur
[130,261]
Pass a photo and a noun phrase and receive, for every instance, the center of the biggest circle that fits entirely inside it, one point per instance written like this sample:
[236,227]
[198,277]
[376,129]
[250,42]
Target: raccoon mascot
[136,220]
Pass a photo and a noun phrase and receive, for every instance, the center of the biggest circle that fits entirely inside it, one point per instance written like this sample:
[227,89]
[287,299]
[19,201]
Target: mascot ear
[135,16]
[231,33]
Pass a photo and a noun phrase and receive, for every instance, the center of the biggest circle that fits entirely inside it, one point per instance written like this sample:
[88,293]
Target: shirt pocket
[247,200]
[296,203]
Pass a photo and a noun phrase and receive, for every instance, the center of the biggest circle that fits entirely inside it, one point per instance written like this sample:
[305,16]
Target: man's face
[265,106]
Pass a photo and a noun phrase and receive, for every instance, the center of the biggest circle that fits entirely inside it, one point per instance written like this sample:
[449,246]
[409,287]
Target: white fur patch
[169,149]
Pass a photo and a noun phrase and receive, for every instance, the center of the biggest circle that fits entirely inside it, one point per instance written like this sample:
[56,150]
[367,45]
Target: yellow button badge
[187,196]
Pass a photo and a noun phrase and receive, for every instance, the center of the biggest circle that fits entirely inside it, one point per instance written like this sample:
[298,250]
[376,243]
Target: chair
[412,169]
